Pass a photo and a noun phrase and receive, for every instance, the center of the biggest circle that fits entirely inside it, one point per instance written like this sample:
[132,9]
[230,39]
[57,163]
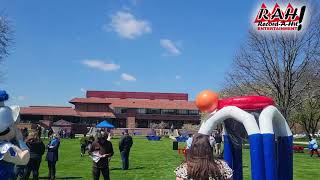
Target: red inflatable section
[247,102]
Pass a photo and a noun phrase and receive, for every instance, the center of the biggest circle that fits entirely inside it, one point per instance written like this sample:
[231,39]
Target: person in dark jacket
[83,145]
[52,155]
[37,149]
[100,150]
[39,131]
[124,147]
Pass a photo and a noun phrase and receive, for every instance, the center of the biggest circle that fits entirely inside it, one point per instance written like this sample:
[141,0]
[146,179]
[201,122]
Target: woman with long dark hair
[37,149]
[201,164]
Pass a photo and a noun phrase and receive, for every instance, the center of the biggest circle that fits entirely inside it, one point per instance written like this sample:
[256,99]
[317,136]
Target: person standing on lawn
[83,145]
[52,155]
[218,139]
[125,145]
[101,150]
[37,149]
[313,146]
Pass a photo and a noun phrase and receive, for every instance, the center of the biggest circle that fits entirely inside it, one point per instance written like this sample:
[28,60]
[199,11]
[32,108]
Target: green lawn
[152,160]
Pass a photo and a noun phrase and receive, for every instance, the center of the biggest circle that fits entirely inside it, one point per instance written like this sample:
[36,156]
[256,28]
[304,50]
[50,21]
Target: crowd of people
[99,148]
[203,155]
[37,149]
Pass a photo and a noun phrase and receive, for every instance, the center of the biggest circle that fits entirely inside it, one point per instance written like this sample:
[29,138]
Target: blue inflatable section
[285,159]
[257,159]
[269,152]
[227,151]
[237,163]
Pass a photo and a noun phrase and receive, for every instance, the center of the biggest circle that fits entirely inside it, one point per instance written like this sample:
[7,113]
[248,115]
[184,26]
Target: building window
[121,110]
[142,124]
[182,112]
[141,111]
[153,111]
[168,111]
[193,112]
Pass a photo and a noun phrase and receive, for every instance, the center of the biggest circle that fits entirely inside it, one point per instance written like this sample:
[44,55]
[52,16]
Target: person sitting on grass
[201,164]
[313,146]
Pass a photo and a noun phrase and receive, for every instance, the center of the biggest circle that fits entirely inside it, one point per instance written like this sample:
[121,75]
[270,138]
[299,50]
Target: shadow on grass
[62,177]
[115,169]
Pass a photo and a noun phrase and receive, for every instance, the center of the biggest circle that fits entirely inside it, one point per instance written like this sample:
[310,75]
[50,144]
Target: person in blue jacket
[53,155]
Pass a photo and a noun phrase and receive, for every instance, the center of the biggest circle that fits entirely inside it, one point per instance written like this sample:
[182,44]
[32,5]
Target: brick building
[122,109]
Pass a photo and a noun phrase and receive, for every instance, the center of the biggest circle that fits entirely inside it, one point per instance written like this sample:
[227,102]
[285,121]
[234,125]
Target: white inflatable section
[271,121]
[228,112]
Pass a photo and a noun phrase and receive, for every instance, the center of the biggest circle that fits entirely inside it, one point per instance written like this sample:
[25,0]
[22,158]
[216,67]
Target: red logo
[279,19]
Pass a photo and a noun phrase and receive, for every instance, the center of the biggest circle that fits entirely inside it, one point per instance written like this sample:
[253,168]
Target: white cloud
[127,77]
[83,90]
[128,26]
[98,64]
[178,77]
[170,47]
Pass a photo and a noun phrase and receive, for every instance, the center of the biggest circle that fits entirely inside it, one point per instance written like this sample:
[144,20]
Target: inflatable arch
[269,136]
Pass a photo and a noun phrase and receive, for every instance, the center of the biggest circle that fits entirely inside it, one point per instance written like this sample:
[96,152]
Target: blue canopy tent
[104,124]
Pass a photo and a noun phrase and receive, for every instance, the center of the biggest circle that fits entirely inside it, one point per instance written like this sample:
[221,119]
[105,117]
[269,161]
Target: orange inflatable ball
[207,101]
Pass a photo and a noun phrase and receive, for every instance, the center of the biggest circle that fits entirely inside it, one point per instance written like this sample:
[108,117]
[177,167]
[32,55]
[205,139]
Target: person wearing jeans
[125,145]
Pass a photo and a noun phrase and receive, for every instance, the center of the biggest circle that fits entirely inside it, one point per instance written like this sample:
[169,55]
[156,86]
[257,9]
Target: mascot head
[9,117]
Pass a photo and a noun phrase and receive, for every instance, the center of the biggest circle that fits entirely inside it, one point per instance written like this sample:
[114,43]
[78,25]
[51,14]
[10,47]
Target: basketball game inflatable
[256,120]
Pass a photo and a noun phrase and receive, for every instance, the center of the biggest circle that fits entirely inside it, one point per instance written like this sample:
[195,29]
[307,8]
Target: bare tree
[162,125]
[5,41]
[190,128]
[275,64]
[307,113]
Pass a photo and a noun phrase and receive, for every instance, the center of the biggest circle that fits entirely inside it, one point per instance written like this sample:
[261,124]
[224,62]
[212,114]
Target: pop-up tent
[104,124]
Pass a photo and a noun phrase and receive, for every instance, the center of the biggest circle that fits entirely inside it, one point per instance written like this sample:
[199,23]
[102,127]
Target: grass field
[152,160]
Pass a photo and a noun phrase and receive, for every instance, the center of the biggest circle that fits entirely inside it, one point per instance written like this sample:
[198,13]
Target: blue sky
[63,48]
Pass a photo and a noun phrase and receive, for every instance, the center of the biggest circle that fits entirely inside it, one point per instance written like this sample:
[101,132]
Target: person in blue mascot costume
[13,150]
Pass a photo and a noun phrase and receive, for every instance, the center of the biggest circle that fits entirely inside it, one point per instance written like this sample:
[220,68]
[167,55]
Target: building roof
[96,114]
[62,122]
[137,95]
[48,110]
[140,103]
[89,100]
[61,111]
